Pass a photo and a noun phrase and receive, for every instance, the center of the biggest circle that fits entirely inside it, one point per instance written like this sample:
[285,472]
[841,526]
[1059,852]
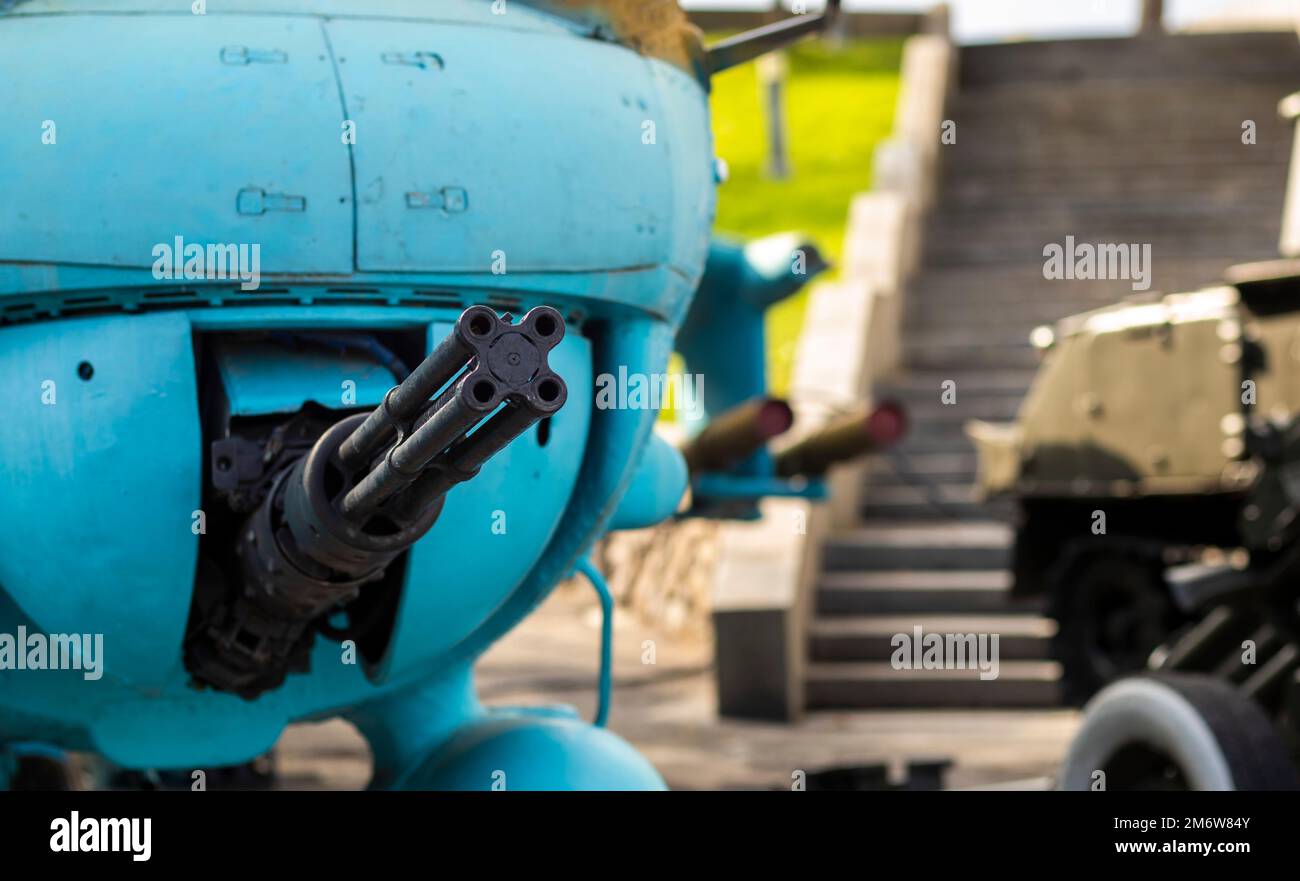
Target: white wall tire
[1209,735]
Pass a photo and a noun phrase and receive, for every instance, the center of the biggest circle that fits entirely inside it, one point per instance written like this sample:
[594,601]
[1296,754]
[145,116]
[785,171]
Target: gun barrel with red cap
[737,434]
[844,438]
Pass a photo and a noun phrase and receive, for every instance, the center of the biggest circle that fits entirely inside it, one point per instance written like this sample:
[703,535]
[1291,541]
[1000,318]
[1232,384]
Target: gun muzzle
[489,362]
[506,364]
[844,438]
[403,401]
[737,434]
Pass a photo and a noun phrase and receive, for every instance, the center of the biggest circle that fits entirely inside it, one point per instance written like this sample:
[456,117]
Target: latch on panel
[453,200]
[422,60]
[245,55]
[254,200]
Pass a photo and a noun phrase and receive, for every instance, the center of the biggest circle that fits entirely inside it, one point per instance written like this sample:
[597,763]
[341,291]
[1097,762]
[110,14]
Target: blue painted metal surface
[522,751]
[264,376]
[78,455]
[741,282]
[619,221]
[435,206]
[118,180]
[494,161]
[658,485]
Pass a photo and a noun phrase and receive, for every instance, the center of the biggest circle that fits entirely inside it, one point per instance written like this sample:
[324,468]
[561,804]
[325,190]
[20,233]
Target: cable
[606,686]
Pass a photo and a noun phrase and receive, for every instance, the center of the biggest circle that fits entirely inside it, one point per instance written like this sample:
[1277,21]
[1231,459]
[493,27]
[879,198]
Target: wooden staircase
[1110,141]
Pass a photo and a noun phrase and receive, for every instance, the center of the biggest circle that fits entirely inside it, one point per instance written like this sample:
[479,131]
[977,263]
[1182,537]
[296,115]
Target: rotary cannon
[372,485]
[215,460]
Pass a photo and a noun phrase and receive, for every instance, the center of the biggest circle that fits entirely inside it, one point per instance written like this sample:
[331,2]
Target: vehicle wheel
[1111,613]
[1177,732]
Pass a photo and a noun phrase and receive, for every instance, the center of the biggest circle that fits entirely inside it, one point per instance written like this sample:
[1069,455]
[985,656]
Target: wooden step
[968,336]
[1215,57]
[1161,237]
[888,476]
[940,502]
[966,180]
[992,281]
[969,189]
[967,405]
[927,443]
[929,355]
[920,383]
[919,545]
[941,467]
[1152,221]
[1172,181]
[922,316]
[1045,303]
[1183,137]
[875,637]
[1229,245]
[951,429]
[944,469]
[867,684]
[919,592]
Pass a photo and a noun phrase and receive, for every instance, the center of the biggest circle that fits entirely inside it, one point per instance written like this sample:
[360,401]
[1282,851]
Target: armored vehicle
[1156,466]
[1155,462]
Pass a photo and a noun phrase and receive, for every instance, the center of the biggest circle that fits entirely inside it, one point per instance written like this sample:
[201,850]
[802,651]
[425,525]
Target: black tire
[1177,731]
[1111,612]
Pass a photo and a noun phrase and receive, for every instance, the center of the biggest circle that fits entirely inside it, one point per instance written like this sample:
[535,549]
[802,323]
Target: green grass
[839,105]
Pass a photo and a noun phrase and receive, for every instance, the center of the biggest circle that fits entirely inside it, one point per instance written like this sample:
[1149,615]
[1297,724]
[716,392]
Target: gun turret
[844,438]
[369,488]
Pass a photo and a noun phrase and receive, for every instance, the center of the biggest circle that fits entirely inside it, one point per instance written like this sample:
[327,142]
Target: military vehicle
[1156,466]
[1156,463]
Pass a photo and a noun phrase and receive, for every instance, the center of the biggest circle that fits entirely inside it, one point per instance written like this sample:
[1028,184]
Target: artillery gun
[1154,463]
